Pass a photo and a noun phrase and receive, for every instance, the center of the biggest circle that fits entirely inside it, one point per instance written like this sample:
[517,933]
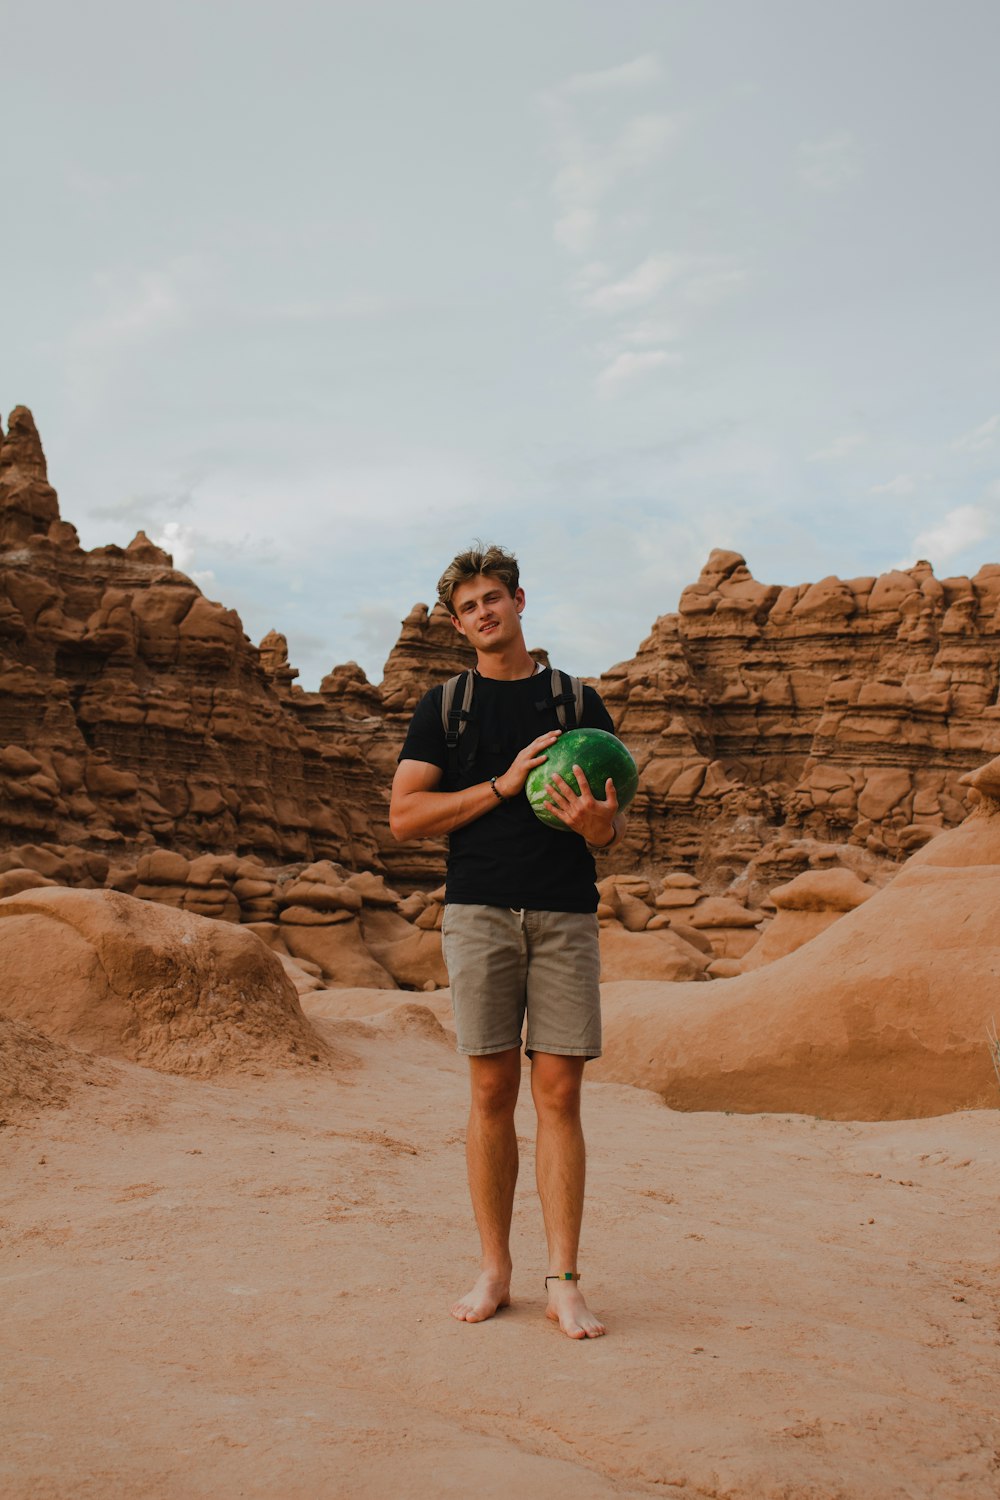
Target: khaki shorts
[503,963]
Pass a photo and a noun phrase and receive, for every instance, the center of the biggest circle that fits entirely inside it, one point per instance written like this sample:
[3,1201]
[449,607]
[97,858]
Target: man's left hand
[583,812]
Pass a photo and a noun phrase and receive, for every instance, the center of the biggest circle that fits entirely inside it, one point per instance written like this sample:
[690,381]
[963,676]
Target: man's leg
[491,1153]
[560,1165]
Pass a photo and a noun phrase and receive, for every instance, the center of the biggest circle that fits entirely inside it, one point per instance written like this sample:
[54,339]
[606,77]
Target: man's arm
[419,810]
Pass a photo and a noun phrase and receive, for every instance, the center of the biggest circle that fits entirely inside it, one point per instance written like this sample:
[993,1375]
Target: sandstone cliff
[135,711]
[765,720]
[837,710]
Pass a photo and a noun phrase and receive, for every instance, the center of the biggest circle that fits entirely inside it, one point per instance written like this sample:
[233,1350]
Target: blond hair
[492,560]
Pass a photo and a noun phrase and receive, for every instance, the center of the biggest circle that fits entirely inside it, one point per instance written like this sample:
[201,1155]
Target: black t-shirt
[508,857]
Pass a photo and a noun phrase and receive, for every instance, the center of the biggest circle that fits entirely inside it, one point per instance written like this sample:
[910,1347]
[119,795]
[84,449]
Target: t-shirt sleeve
[425,737]
[595,715]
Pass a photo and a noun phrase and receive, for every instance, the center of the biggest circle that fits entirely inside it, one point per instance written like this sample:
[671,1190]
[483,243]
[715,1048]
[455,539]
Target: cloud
[980,437]
[829,164]
[588,172]
[135,509]
[639,286]
[642,142]
[903,484]
[136,307]
[97,188]
[630,364]
[708,287]
[589,169]
[841,447]
[378,627]
[635,74]
[307,641]
[700,280]
[178,540]
[135,310]
[959,529]
[656,332]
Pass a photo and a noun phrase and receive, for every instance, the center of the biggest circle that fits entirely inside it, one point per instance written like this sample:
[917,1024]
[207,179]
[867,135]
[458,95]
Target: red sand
[241,1289]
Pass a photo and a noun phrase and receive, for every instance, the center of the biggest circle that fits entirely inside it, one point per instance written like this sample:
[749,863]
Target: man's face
[486,614]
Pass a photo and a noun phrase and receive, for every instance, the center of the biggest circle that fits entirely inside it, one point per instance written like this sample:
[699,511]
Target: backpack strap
[456,715]
[567,699]
[458,719]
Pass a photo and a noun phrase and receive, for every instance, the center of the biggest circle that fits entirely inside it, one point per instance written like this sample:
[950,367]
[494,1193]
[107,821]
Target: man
[520,926]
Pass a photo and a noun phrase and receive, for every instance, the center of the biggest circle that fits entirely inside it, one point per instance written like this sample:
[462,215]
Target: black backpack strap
[567,699]
[456,716]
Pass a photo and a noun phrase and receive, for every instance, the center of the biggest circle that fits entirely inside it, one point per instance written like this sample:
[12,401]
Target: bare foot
[490,1293]
[568,1309]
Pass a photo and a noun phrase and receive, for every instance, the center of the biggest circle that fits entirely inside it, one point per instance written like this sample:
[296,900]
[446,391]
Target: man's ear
[458,624]
[519,599]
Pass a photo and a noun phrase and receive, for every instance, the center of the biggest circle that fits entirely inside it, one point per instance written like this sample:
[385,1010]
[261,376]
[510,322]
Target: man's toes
[472,1312]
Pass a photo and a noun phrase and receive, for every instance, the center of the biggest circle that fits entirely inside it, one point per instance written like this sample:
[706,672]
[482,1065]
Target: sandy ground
[241,1289]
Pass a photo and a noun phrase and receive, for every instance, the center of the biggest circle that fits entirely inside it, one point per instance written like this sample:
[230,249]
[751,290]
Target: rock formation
[135,710]
[121,978]
[767,722]
[807,906]
[885,1015]
[836,710]
[37,1073]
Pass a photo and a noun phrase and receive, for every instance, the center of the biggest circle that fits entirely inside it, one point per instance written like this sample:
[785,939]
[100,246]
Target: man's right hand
[513,779]
[418,809]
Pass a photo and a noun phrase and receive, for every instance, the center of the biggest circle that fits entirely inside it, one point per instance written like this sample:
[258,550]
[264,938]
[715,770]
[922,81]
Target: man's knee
[495,1082]
[556,1083]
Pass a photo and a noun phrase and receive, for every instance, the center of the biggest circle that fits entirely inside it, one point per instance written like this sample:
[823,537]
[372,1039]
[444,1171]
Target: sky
[317,294]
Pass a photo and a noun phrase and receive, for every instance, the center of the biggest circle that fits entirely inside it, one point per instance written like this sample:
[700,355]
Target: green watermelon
[599,754]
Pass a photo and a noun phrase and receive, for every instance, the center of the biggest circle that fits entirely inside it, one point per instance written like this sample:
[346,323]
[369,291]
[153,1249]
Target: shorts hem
[589,1053]
[487,1051]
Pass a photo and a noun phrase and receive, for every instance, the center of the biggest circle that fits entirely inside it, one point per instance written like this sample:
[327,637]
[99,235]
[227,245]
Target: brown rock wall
[841,710]
[765,720]
[135,710]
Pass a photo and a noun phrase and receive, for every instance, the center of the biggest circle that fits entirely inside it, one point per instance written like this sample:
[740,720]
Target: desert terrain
[233,1210]
[241,1288]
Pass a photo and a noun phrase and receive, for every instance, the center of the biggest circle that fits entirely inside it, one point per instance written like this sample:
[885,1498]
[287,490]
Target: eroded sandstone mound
[807,906]
[883,1016]
[122,978]
[38,1073]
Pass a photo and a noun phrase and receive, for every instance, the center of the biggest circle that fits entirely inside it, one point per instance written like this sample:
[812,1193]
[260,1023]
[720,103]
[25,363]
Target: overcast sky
[316,293]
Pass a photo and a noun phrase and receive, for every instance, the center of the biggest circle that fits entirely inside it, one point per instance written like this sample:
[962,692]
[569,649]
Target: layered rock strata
[135,710]
[766,721]
[842,710]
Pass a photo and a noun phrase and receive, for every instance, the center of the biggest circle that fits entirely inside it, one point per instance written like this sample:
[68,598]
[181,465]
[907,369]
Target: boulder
[340,952]
[883,1016]
[648,955]
[128,979]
